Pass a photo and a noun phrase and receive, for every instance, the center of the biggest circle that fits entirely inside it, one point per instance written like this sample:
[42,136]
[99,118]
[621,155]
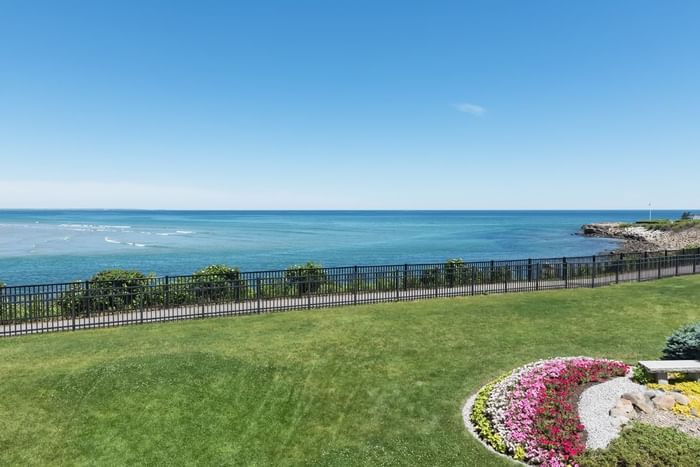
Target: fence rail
[82,305]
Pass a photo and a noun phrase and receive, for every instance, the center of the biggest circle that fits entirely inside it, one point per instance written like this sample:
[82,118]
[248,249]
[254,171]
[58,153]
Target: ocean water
[39,246]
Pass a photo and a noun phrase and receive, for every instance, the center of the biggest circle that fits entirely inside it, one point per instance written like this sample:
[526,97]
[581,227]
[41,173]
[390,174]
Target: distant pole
[649,211]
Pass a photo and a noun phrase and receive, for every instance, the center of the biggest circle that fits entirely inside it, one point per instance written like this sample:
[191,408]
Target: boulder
[639,401]
[680,398]
[620,421]
[623,408]
[665,402]
[634,397]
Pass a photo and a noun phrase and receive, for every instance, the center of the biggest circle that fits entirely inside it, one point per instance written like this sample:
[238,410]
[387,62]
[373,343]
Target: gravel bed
[688,425]
[594,405]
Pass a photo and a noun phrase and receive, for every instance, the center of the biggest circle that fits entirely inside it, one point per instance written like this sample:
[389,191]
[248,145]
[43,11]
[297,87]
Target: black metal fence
[80,305]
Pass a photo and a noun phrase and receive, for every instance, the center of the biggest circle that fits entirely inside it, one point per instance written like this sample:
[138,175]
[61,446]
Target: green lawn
[376,384]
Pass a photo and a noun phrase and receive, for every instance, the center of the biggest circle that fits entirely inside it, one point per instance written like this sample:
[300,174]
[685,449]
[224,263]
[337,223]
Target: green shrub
[72,300]
[686,215]
[110,290]
[305,278]
[218,281]
[640,375]
[431,277]
[645,445]
[456,272]
[683,344]
[115,289]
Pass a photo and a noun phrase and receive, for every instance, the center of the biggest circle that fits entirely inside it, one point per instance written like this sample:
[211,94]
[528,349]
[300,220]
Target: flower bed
[690,389]
[530,414]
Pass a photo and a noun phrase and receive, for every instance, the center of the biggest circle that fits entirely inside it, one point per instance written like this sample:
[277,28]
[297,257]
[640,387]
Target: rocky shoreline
[637,238]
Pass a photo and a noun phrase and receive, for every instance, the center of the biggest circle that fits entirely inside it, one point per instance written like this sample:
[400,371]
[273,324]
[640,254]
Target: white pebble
[593,408]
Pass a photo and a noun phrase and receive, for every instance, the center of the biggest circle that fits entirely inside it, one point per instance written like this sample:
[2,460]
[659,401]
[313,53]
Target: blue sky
[350,105]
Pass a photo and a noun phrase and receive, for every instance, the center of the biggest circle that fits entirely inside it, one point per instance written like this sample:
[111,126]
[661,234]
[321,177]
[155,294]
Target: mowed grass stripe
[376,384]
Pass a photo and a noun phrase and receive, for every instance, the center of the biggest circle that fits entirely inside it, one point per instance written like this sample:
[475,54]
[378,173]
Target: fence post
[529,269]
[565,272]
[405,276]
[396,283]
[593,268]
[308,294]
[258,289]
[437,281]
[506,271]
[473,278]
[639,267]
[675,260]
[617,268]
[354,285]
[88,300]
[143,291]
[537,276]
[659,263]
[72,309]
[695,258]
[202,298]
[167,292]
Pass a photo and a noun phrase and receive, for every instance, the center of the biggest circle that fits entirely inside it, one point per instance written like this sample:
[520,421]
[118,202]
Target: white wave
[109,240]
[141,245]
[93,227]
[184,232]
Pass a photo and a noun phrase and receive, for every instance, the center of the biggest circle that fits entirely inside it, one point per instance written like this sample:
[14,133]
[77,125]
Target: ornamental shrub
[115,289]
[305,278]
[217,282]
[456,272]
[641,444]
[110,290]
[683,344]
[431,277]
[640,375]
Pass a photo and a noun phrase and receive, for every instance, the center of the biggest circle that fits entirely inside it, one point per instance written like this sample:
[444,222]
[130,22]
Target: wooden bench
[661,368]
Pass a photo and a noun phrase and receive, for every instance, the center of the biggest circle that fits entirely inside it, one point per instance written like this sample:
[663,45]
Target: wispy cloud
[468,108]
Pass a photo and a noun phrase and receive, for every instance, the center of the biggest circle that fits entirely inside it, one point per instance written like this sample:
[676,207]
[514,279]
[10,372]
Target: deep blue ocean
[39,246]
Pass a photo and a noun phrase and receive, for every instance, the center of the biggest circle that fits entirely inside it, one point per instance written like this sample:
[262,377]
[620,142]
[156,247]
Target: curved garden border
[529,415]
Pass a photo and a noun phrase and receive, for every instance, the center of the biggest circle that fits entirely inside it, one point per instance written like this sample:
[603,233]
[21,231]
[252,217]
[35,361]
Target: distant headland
[649,235]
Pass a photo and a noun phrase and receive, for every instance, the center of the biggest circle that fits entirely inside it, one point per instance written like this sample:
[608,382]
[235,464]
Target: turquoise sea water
[55,246]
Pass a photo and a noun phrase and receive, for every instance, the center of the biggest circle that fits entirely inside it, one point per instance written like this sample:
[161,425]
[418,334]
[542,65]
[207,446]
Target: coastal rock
[638,238]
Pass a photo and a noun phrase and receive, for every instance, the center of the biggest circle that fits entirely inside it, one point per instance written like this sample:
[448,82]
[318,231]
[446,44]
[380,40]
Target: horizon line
[350,210]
